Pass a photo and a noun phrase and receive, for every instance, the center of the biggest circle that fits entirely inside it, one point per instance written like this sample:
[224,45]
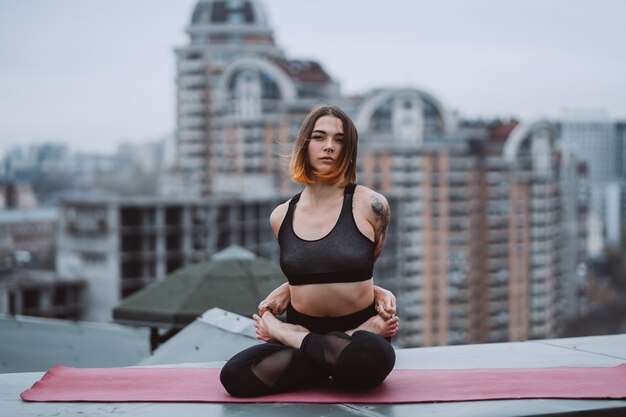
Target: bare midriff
[332,300]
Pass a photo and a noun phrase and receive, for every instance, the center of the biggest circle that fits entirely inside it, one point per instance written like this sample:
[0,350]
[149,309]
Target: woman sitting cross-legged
[339,324]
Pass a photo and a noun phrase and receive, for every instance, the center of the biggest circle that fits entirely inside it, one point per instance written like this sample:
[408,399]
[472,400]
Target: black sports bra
[343,255]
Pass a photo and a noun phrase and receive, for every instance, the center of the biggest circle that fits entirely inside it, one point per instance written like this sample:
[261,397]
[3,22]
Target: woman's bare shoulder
[370,201]
[278,215]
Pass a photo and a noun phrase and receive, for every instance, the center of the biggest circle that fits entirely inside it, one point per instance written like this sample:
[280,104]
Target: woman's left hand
[385,302]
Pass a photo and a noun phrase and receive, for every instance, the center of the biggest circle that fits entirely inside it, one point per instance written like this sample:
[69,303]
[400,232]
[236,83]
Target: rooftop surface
[584,351]
[36,344]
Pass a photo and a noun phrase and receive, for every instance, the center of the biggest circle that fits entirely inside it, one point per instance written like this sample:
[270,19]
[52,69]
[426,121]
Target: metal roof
[214,336]
[36,344]
[234,279]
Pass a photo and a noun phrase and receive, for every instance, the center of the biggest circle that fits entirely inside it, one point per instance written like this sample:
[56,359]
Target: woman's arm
[277,301]
[372,212]
[374,207]
[380,218]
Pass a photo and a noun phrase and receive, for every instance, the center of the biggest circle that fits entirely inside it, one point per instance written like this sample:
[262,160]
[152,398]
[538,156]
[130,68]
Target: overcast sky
[96,73]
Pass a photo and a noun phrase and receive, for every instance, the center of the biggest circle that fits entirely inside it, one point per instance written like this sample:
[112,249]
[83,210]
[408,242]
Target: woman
[338,322]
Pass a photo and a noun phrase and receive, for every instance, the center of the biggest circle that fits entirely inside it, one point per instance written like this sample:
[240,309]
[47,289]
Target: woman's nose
[329,146]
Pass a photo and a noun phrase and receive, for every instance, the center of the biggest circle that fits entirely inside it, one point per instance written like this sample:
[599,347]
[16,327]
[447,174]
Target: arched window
[253,92]
[408,119]
[246,93]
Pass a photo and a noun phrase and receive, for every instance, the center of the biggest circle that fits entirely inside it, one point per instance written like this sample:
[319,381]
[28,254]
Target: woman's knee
[240,382]
[365,362]
[232,378]
[238,379]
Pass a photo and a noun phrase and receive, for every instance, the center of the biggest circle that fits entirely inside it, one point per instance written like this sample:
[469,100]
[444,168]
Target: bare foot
[268,327]
[379,326]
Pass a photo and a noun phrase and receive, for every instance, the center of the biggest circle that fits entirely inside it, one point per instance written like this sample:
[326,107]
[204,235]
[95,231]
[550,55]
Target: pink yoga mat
[401,386]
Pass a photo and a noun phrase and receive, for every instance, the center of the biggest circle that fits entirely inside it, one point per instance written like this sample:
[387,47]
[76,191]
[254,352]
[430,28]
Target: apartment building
[240,100]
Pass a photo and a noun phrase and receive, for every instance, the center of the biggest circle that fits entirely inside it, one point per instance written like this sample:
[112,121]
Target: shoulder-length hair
[345,172]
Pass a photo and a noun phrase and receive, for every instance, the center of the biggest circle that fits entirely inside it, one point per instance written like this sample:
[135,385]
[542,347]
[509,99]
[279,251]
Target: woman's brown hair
[345,173]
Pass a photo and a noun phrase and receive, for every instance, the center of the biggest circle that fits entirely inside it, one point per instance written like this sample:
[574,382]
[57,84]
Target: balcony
[192,135]
[191,80]
[192,122]
[190,66]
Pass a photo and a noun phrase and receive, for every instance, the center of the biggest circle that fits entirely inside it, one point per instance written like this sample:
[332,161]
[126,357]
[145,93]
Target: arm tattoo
[382,219]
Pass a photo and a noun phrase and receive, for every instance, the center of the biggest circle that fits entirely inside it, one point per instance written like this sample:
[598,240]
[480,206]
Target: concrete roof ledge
[573,352]
[569,352]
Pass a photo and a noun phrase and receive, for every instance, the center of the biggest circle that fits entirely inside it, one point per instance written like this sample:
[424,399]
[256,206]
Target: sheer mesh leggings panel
[360,361]
[267,369]
[270,369]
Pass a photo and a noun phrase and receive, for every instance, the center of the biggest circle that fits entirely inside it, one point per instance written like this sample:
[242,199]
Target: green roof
[233,280]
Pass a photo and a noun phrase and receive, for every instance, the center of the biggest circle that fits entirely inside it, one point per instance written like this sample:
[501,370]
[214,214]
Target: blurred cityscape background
[505,226]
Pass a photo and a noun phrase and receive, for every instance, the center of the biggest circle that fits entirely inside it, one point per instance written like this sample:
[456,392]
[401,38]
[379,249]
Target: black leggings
[360,361]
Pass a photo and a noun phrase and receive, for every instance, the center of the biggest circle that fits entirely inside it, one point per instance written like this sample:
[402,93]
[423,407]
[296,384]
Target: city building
[620,133]
[240,101]
[482,257]
[28,235]
[39,173]
[23,162]
[121,244]
[480,251]
[40,293]
[486,242]
[16,195]
[591,136]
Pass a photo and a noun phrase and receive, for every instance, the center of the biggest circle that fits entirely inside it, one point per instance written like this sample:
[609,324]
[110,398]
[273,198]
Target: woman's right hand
[385,302]
[277,301]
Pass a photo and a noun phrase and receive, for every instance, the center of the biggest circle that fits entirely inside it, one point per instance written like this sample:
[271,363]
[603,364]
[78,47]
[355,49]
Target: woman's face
[326,143]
